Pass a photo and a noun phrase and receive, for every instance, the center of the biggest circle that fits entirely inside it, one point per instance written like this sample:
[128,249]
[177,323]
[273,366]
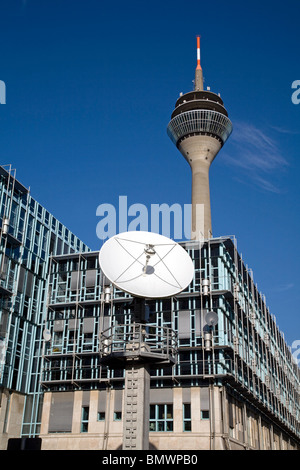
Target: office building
[28,235]
[233,386]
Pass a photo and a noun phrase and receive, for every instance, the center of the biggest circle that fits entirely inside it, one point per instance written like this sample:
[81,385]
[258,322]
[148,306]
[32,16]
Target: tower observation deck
[199,128]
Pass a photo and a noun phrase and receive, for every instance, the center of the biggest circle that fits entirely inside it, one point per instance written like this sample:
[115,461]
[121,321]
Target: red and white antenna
[198,53]
[199,73]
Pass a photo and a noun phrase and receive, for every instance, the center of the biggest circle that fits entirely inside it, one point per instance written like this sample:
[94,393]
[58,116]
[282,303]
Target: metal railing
[199,121]
[138,340]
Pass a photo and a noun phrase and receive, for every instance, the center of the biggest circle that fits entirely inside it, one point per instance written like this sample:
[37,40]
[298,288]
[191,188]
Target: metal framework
[246,353]
[140,342]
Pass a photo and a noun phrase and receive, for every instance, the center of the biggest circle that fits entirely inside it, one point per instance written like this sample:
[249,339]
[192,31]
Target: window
[32,204]
[87,341]
[57,341]
[187,421]
[161,418]
[61,411]
[101,416]
[84,419]
[40,211]
[117,416]
[47,216]
[204,414]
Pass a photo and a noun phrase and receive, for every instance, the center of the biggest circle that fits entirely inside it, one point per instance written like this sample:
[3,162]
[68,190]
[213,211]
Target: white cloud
[285,287]
[257,154]
[283,130]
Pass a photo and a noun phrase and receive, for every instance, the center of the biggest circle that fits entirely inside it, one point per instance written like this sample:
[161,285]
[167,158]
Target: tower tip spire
[198,53]
[199,73]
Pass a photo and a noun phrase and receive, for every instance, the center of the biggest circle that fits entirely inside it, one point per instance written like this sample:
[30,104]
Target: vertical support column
[136,407]
[77,412]
[46,412]
[245,426]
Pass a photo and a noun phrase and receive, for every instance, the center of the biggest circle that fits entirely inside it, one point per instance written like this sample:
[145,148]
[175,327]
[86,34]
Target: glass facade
[28,235]
[245,350]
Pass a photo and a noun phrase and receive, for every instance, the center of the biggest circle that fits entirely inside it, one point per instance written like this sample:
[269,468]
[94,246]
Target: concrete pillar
[77,411]
[46,412]
[93,410]
[200,151]
[136,407]
[195,409]
[177,409]
[11,412]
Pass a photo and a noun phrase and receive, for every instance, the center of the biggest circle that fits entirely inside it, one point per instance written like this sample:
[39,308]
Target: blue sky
[90,90]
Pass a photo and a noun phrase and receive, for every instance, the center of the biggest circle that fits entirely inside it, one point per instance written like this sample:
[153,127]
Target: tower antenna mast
[199,72]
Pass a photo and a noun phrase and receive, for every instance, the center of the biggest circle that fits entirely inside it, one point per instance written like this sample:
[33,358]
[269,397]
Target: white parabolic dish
[146,264]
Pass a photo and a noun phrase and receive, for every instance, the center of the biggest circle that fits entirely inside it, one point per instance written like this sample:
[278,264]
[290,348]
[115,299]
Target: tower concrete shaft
[199,127]
[200,151]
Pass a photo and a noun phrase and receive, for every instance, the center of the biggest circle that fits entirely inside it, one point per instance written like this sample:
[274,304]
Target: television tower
[199,128]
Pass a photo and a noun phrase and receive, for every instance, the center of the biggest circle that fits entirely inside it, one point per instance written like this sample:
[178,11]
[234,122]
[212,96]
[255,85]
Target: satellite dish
[146,264]
[211,318]
[46,334]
